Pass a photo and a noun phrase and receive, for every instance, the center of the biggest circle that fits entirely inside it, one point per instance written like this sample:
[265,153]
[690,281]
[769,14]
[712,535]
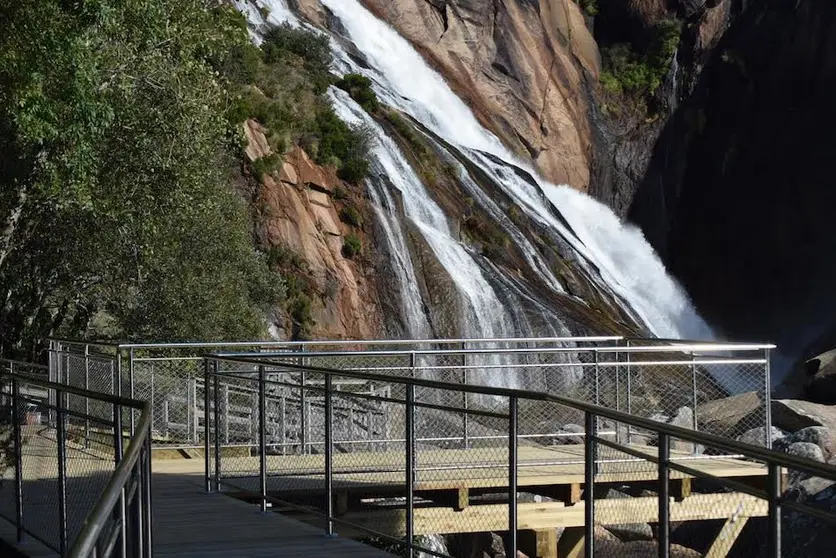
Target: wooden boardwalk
[190,523]
[462,491]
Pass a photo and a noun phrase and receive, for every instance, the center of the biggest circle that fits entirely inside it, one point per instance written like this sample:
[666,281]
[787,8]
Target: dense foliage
[283,85]
[631,70]
[116,217]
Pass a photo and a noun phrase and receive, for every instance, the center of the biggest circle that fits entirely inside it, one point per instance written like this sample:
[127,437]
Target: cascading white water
[625,260]
[485,315]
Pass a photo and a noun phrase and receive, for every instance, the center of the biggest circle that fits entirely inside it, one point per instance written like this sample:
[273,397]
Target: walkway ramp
[190,523]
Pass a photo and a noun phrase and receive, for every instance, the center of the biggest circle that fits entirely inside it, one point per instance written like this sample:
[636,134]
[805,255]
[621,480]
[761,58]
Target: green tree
[116,214]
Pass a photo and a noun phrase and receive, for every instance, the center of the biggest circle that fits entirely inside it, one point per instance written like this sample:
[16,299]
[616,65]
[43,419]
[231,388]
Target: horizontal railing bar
[707,439]
[20,363]
[689,348]
[457,410]
[72,390]
[343,342]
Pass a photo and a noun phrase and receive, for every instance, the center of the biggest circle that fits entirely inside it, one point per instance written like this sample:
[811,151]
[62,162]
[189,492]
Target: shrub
[349,144]
[590,7]
[406,130]
[351,216]
[628,71]
[266,165]
[352,246]
[310,46]
[360,89]
[280,256]
[339,193]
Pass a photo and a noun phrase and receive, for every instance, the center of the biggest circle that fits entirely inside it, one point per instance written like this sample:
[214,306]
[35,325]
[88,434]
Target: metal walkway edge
[190,523]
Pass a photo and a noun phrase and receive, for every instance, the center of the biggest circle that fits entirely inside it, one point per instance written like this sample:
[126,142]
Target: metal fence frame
[119,522]
[181,398]
[663,463]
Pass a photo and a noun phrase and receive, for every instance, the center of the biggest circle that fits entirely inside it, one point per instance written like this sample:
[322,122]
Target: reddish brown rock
[344,300]
[519,66]
[257,146]
[309,173]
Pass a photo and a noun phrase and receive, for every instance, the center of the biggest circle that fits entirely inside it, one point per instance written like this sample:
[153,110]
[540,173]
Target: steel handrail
[341,342]
[85,543]
[694,436]
[714,348]
[86,540]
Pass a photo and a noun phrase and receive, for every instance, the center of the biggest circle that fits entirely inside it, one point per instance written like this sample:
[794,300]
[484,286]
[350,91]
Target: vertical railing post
[629,392]
[16,419]
[225,415]
[216,422]
[617,393]
[774,515]
[767,399]
[60,434]
[329,457]
[206,433]
[120,512]
[192,408]
[589,484]
[410,468]
[512,475]
[146,488]
[465,399]
[303,398]
[131,388]
[86,399]
[695,400]
[664,495]
[262,435]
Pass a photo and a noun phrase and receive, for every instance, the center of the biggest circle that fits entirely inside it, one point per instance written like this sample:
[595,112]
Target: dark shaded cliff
[739,192]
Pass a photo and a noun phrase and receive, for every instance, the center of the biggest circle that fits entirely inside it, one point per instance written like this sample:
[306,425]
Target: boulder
[807,450]
[729,416]
[818,435]
[792,415]
[757,436]
[820,385]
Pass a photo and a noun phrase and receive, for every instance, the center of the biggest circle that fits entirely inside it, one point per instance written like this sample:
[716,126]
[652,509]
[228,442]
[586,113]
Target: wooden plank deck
[190,523]
[453,469]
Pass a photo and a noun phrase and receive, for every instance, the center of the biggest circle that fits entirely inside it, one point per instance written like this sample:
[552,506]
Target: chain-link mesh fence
[59,453]
[381,405]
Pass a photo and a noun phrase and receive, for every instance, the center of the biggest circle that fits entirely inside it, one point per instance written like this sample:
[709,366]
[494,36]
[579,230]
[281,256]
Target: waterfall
[626,262]
[490,303]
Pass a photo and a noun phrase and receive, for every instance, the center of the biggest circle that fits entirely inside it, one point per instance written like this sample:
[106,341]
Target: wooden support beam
[538,544]
[551,515]
[462,499]
[681,489]
[571,543]
[726,537]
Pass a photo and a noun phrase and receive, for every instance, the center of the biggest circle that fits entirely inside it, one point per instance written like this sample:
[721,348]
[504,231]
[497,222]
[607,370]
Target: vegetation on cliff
[283,86]
[116,217]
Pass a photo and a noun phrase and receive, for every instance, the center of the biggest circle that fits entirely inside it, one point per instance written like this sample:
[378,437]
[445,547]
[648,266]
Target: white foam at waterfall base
[626,261]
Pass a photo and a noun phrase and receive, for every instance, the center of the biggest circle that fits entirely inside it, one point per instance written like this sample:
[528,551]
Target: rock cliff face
[520,64]
[300,219]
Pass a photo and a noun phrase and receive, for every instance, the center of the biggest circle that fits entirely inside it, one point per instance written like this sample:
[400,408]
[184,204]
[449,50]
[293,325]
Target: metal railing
[663,379]
[402,487]
[71,482]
